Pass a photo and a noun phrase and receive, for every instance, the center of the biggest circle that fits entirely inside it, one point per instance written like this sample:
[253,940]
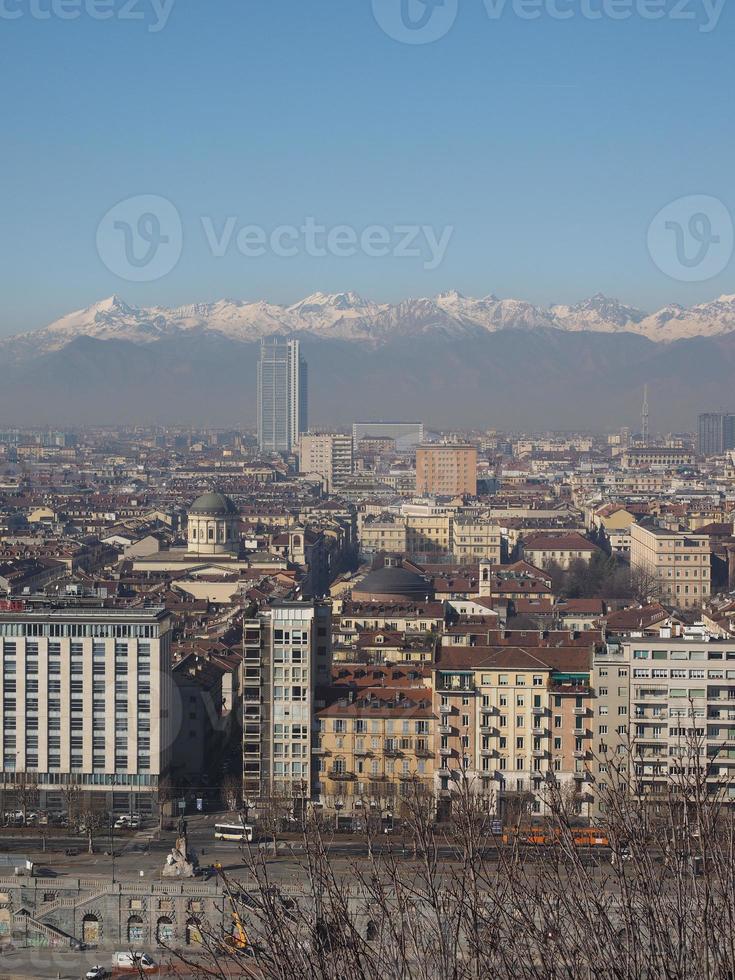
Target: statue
[181,862]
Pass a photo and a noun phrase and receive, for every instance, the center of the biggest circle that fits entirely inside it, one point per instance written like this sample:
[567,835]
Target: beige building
[677,562]
[327,456]
[511,719]
[375,750]
[447,470]
[476,538]
[87,705]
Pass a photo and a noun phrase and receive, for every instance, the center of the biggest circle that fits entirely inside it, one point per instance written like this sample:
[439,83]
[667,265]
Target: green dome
[213,505]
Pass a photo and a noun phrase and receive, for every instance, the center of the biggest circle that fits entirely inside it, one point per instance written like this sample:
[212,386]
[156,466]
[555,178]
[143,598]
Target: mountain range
[481,362]
[349,317]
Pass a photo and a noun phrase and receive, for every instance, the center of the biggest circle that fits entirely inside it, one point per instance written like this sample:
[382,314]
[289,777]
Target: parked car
[97,973]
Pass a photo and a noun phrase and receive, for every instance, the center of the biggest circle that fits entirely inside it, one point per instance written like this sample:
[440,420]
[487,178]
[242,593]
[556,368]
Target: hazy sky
[546,145]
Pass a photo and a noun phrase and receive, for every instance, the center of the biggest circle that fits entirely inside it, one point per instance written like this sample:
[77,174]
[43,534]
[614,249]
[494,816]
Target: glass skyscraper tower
[282,395]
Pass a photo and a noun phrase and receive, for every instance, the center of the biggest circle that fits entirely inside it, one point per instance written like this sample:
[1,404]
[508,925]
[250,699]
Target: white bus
[232,831]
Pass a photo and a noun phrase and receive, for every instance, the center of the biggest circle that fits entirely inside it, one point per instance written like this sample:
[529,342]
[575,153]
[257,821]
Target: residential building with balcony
[376,749]
[286,653]
[665,713]
[512,720]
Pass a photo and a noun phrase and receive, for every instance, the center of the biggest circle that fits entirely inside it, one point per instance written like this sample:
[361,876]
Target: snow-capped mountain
[598,313]
[349,317]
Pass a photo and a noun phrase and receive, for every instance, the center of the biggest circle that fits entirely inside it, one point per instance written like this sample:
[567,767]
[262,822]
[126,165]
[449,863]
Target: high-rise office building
[282,395]
[715,433]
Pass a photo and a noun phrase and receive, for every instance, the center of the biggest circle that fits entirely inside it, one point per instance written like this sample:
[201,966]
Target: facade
[666,710]
[375,750]
[542,550]
[677,562]
[282,395]
[128,915]
[405,435]
[287,652]
[87,706]
[327,455]
[646,456]
[715,433]
[511,719]
[446,470]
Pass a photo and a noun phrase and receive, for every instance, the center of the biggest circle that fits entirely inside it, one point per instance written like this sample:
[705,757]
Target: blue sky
[547,146]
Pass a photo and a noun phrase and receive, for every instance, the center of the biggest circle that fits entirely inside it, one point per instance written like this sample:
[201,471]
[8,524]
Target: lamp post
[338,805]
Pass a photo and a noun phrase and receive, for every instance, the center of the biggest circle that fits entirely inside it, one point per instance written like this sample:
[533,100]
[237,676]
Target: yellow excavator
[238,939]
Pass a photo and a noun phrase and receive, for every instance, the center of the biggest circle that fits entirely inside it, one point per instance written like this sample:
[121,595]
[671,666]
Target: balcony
[423,752]
[488,753]
[445,751]
[539,711]
[391,752]
[579,711]
[362,752]
[319,750]
[446,729]
[489,730]
[542,753]
[580,754]
[445,709]
[340,775]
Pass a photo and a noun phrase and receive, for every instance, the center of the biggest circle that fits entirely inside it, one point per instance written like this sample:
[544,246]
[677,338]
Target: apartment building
[665,712]
[432,532]
[375,750]
[385,533]
[328,456]
[446,470]
[513,719]
[286,652]
[88,706]
[476,538]
[677,563]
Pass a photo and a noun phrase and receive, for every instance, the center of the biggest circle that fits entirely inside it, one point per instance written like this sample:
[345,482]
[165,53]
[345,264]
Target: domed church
[213,526]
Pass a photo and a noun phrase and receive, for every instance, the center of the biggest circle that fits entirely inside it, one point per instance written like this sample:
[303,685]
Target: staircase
[55,936]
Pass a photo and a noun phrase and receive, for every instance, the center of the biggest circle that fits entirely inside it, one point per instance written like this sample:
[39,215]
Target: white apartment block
[326,455]
[678,563]
[666,705]
[286,654]
[87,703]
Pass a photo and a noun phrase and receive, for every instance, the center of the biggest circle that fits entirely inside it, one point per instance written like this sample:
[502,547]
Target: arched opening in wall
[210,534]
[486,575]
[135,929]
[297,541]
[371,933]
[90,930]
[193,933]
[164,930]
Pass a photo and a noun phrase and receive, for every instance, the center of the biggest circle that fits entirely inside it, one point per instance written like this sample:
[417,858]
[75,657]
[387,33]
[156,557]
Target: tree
[468,906]
[231,791]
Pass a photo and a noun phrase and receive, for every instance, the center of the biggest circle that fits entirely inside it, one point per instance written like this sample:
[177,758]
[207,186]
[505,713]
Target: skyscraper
[715,433]
[282,395]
